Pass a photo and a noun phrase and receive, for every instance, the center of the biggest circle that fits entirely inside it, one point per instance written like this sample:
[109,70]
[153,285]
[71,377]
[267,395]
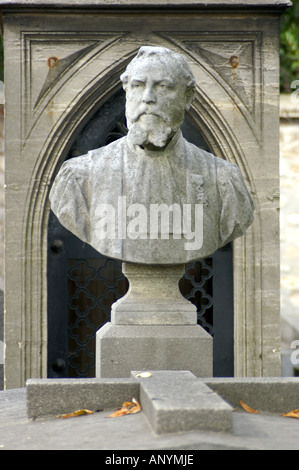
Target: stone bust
[151,197]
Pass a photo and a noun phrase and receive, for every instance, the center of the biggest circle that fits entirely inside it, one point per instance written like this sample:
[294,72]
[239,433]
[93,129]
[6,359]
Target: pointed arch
[72,103]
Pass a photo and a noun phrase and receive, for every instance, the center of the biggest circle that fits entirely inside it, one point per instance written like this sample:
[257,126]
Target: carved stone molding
[49,59]
[233,59]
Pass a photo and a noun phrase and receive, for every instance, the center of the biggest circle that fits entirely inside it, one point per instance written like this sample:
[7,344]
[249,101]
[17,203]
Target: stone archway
[87,77]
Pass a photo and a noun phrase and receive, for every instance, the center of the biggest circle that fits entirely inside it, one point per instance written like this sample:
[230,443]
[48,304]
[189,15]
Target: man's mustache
[147,111]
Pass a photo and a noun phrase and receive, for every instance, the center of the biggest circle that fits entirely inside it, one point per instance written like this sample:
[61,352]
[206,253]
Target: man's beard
[151,130]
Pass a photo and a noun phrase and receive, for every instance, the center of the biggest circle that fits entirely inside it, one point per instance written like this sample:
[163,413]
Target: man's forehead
[153,68]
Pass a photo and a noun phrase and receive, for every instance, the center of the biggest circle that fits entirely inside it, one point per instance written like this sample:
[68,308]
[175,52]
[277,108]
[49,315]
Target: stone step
[176,401]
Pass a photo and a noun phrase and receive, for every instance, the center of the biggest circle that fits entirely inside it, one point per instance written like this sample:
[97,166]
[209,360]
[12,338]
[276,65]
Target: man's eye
[163,86]
[137,85]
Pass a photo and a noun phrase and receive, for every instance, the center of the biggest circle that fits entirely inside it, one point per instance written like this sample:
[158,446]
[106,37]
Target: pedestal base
[123,348]
[153,297]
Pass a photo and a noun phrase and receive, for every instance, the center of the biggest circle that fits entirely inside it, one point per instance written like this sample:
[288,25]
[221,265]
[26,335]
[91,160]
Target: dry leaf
[120,412]
[75,413]
[248,408]
[137,407]
[144,374]
[291,414]
[128,407]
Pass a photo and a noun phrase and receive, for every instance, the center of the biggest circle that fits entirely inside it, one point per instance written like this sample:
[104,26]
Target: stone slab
[96,432]
[50,397]
[153,3]
[123,348]
[176,401]
[265,394]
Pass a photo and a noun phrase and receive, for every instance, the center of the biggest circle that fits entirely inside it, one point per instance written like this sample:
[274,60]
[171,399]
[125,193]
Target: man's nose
[149,95]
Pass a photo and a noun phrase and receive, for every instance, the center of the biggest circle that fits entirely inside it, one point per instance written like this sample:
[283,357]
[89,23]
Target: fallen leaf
[248,408]
[75,413]
[144,374]
[128,407]
[291,414]
[120,412]
[137,407]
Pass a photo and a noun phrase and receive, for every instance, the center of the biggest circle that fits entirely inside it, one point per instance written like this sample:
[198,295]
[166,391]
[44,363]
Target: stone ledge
[198,4]
[176,401]
[265,394]
[50,397]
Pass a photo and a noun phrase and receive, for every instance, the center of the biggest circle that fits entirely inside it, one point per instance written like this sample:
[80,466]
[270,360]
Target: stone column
[153,327]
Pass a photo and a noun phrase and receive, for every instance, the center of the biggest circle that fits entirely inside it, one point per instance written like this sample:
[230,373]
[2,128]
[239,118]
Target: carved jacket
[154,207]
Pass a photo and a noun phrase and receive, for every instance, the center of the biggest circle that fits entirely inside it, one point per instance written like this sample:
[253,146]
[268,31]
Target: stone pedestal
[153,297]
[153,328]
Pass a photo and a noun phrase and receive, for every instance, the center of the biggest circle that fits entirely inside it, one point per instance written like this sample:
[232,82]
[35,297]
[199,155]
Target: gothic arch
[62,112]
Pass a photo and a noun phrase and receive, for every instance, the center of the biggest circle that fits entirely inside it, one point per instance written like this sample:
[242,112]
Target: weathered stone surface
[265,394]
[153,298]
[47,397]
[151,197]
[241,102]
[123,348]
[175,401]
[50,397]
[143,3]
[96,432]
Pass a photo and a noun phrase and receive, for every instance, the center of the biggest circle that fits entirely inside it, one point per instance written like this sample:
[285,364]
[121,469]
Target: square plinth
[123,348]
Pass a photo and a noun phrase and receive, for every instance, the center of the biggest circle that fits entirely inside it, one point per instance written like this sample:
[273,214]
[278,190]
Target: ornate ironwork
[93,286]
[197,286]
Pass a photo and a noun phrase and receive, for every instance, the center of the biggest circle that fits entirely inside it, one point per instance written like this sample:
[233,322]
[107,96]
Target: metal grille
[93,286]
[197,286]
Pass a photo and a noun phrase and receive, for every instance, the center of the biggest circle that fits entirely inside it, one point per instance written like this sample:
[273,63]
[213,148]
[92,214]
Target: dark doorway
[83,284]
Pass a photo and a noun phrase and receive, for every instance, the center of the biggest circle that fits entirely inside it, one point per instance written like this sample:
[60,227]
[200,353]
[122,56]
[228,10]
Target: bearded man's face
[155,103]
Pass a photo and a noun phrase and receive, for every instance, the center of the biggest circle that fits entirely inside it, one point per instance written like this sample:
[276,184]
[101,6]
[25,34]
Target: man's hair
[181,64]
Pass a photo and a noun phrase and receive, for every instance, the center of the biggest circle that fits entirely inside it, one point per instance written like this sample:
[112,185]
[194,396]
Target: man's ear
[189,95]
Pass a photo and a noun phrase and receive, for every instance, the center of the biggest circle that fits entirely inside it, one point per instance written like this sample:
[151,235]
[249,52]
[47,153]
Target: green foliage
[289,47]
